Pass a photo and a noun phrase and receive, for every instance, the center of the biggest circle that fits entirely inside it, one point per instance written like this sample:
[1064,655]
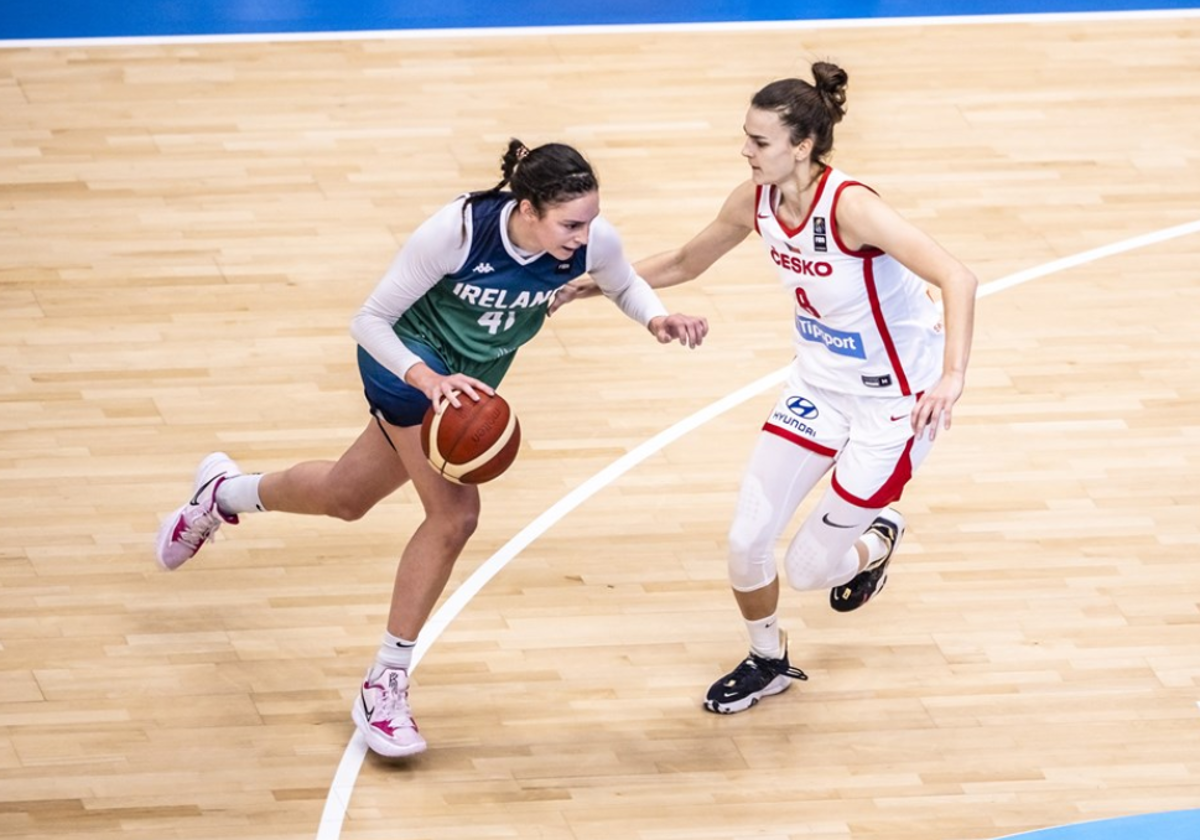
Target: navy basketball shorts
[389,396]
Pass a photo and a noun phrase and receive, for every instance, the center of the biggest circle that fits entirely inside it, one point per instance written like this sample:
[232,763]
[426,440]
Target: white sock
[239,494]
[876,548]
[765,638]
[395,652]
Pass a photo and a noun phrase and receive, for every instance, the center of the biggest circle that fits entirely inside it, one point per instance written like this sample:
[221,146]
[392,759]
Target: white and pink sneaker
[184,532]
[382,715]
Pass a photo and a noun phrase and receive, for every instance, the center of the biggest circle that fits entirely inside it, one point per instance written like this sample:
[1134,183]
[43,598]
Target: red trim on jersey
[790,232]
[868,255]
[870,250]
[892,487]
[757,203]
[799,441]
[881,325]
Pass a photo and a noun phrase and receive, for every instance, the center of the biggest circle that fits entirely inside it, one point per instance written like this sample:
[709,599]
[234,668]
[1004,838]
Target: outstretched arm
[617,279]
[670,268]
[732,225]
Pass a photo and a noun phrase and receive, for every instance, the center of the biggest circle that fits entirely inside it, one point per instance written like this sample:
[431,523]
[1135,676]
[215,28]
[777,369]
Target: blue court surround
[1173,825]
[24,20]
[21,20]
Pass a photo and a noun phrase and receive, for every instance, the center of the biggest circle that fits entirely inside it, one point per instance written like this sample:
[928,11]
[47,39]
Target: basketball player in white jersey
[875,373]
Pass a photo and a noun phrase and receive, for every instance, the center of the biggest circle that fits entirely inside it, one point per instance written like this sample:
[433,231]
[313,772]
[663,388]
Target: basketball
[474,443]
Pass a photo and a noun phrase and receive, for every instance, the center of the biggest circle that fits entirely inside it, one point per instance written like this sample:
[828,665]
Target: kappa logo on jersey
[836,341]
[802,407]
[801,266]
[483,268]
[498,298]
[818,225]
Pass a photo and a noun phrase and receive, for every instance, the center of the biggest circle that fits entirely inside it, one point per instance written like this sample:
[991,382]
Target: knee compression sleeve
[779,476]
[822,553]
[752,538]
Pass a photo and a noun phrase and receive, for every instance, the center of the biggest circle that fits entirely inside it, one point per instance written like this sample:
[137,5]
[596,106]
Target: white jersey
[865,324]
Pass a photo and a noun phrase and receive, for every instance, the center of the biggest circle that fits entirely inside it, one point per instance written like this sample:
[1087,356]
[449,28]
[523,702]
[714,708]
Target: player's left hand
[933,409]
[686,329]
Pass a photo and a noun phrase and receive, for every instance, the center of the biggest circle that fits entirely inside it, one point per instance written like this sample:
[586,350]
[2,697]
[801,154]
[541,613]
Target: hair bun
[831,84]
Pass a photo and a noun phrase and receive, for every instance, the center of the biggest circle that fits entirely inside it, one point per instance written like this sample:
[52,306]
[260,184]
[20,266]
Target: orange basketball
[474,443]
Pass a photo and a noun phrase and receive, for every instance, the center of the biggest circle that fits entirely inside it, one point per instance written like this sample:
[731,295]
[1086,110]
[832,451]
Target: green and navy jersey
[462,288]
[477,316]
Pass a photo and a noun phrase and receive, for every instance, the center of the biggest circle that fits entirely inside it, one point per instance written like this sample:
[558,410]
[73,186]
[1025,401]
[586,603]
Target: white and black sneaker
[756,677]
[889,527]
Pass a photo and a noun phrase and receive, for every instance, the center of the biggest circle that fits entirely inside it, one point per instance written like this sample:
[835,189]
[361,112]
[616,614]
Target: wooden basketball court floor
[185,231]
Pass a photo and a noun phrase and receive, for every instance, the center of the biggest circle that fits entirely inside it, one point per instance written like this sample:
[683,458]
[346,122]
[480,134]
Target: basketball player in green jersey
[471,285]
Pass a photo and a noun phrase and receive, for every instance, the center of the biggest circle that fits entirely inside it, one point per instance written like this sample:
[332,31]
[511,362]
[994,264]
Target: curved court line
[344,780]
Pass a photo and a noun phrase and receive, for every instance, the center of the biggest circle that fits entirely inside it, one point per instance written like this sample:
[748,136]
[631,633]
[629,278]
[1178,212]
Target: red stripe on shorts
[891,489]
[799,440]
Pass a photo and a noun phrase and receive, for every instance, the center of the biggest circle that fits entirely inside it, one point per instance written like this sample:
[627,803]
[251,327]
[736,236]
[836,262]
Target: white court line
[597,29]
[347,773]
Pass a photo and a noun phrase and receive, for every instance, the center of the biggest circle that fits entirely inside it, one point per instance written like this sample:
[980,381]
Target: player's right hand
[577,288]
[439,388]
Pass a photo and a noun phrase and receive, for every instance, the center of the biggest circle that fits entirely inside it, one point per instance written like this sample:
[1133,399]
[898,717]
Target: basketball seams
[447,436]
[429,440]
[491,452]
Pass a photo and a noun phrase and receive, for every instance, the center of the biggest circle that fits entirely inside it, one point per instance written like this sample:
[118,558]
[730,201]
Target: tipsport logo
[835,341]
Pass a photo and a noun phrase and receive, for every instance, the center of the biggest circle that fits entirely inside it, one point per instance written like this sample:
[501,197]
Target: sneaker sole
[377,743]
[751,701]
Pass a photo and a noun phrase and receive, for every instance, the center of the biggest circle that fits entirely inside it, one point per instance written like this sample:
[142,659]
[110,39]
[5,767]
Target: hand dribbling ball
[474,443]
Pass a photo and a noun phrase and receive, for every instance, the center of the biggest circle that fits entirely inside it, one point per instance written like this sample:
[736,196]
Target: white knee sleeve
[822,554]
[810,565]
[779,476]
[752,539]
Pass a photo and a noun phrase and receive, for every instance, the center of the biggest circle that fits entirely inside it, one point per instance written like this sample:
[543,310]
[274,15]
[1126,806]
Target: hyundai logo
[802,407]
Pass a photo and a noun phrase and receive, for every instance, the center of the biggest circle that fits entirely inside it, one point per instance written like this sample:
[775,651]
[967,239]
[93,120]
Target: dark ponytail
[808,110]
[548,175]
